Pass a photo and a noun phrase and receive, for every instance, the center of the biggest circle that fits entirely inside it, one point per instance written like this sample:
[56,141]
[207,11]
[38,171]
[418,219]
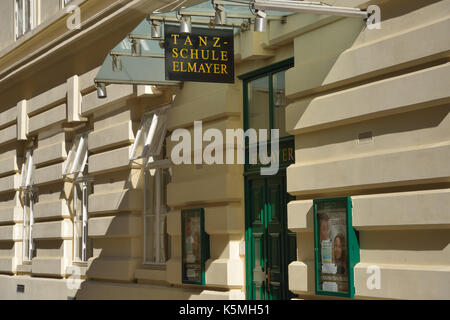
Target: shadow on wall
[116,228]
[403,7]
[407,240]
[400,123]
[316,54]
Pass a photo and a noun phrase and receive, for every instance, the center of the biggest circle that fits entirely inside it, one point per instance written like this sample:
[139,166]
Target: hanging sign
[204,55]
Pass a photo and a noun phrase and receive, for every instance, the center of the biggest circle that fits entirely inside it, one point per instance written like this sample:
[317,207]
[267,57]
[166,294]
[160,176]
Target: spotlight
[220,16]
[260,21]
[101,91]
[185,24]
[116,63]
[155,29]
[136,47]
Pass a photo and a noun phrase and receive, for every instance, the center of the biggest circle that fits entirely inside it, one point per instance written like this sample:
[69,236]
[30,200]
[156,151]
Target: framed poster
[336,247]
[195,246]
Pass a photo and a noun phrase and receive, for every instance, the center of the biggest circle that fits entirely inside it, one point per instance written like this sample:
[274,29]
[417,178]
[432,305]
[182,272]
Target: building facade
[92,208]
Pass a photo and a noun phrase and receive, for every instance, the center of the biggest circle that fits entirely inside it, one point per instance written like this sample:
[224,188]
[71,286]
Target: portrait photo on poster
[333,249]
[194,246]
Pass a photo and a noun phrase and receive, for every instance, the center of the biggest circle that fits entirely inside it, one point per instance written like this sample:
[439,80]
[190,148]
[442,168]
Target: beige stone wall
[7,36]
[48,8]
[347,80]
[392,83]
[218,189]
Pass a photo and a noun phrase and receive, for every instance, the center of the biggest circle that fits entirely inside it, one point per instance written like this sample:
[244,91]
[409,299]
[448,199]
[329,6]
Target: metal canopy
[148,67]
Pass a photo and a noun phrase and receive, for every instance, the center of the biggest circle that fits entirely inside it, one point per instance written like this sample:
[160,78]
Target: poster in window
[332,246]
[192,245]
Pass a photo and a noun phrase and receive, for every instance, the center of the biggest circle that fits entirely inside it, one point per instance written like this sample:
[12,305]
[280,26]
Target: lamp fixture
[185,24]
[101,90]
[220,17]
[155,30]
[136,47]
[116,63]
[260,21]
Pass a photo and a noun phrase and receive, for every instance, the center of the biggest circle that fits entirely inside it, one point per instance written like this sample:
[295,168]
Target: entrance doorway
[270,246]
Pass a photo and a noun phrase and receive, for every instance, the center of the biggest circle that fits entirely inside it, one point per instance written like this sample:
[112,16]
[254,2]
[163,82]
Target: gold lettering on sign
[216,42]
[208,59]
[224,69]
[181,53]
[291,156]
[224,55]
[214,58]
[188,40]
[192,67]
[182,65]
[203,54]
[194,52]
[203,41]
[175,66]
[175,37]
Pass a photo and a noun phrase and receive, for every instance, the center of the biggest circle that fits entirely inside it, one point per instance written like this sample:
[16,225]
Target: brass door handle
[268,279]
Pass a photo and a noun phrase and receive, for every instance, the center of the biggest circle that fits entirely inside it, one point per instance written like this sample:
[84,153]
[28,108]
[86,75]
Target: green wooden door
[271,247]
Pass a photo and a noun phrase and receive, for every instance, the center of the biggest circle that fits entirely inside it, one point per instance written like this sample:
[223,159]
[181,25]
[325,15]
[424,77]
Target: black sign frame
[204,55]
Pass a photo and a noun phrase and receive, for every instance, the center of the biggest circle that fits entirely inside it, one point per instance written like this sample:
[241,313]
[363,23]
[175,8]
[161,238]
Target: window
[149,145]
[258,104]
[150,136]
[280,102]
[76,167]
[266,101]
[81,244]
[157,241]
[25,15]
[29,199]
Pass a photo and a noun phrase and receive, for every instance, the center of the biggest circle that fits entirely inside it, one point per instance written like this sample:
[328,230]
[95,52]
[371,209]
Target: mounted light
[116,63]
[220,17]
[260,21]
[101,90]
[136,47]
[155,29]
[185,24]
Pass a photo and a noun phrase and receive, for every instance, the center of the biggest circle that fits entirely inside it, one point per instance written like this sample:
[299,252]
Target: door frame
[249,172]
[250,253]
